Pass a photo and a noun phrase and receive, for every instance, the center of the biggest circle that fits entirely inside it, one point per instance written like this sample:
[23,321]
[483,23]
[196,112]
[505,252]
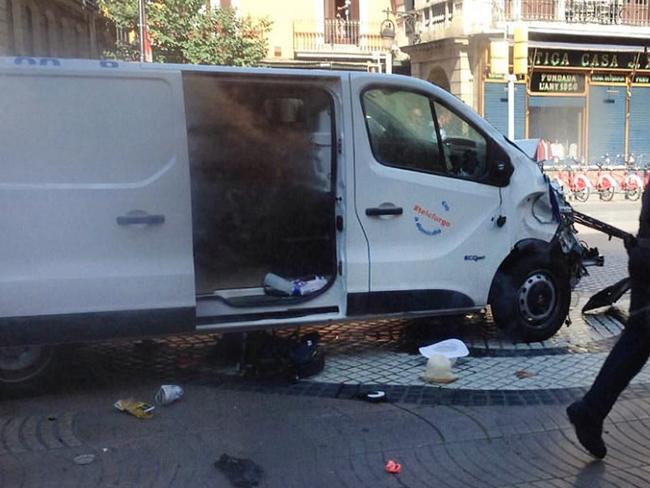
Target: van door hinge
[339,223]
[339,145]
[340,268]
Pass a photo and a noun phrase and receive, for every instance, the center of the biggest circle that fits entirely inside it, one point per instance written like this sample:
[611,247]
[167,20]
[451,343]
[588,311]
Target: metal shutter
[495,103]
[640,121]
[606,121]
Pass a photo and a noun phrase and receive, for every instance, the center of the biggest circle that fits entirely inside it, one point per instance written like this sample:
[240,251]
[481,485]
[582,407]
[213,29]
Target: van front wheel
[531,298]
[24,364]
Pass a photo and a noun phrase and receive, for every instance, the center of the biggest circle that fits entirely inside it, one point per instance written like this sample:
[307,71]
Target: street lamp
[387,34]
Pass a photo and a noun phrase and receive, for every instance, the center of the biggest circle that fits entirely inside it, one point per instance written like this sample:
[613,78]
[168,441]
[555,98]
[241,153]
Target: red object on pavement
[393,467]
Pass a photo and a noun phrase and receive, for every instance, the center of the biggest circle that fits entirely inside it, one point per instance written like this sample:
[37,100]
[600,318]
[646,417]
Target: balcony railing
[606,12]
[336,35]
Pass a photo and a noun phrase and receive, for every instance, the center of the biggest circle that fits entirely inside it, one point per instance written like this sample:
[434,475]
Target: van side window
[465,149]
[401,130]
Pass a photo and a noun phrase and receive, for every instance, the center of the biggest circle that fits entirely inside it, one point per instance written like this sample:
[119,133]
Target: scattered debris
[136,408]
[450,348]
[168,394]
[522,374]
[242,473]
[84,459]
[274,285]
[376,396]
[393,467]
[438,370]
[268,355]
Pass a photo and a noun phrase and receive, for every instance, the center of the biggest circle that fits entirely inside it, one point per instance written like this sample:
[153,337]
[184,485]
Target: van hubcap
[23,362]
[18,358]
[536,298]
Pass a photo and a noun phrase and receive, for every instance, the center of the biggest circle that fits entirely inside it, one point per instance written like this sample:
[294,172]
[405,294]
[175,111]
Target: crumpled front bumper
[577,253]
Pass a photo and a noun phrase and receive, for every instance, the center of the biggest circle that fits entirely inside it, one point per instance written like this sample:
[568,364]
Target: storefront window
[559,122]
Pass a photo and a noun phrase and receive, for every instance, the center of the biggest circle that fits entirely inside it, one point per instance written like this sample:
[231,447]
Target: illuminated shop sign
[608,78]
[642,79]
[587,59]
[546,82]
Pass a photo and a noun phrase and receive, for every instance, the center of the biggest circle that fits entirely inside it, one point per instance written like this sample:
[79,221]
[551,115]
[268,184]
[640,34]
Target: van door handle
[379,211]
[140,219]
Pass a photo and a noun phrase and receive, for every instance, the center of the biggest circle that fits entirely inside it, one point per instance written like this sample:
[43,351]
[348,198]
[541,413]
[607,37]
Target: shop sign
[642,79]
[587,59]
[607,78]
[543,82]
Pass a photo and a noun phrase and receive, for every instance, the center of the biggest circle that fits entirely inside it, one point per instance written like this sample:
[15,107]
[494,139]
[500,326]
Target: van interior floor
[211,279]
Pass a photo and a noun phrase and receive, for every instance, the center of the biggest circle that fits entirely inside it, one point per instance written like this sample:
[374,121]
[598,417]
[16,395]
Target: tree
[189,31]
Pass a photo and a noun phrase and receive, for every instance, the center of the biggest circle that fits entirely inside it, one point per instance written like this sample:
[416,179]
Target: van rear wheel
[531,298]
[24,364]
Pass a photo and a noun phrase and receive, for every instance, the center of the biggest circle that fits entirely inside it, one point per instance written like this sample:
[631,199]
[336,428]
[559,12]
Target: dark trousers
[632,350]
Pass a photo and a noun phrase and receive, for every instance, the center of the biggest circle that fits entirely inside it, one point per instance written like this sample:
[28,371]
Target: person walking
[629,354]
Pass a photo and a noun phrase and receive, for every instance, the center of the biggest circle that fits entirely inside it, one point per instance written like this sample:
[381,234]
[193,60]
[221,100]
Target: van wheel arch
[26,366]
[530,293]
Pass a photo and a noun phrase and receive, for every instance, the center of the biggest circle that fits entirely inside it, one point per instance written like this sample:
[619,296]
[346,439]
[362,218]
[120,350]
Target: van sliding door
[94,187]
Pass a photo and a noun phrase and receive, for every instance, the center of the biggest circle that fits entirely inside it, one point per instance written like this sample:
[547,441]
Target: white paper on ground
[451,348]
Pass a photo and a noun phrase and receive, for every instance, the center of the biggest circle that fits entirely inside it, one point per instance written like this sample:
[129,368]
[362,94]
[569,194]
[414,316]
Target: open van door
[94,186]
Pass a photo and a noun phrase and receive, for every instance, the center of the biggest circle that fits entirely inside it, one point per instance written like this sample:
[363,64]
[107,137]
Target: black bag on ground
[269,355]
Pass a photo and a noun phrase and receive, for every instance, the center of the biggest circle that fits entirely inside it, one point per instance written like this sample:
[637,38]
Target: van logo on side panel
[435,224]
[474,258]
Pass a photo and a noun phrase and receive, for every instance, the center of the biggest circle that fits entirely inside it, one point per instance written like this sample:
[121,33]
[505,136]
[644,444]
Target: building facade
[56,28]
[587,88]
[323,33]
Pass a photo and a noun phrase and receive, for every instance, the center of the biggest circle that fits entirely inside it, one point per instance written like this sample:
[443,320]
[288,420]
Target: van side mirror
[500,167]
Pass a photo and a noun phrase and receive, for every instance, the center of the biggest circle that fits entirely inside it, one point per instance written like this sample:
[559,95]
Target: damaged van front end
[531,292]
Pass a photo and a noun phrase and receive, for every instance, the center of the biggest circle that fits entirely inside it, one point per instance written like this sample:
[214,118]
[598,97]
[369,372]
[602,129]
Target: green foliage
[187,31]
[221,37]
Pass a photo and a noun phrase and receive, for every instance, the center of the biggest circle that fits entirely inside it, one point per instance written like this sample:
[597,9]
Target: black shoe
[588,431]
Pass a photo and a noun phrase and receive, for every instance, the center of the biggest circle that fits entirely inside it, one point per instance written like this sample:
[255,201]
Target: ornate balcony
[336,38]
[604,12]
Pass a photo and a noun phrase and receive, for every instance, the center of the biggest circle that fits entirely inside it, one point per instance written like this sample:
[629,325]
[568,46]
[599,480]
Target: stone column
[461,79]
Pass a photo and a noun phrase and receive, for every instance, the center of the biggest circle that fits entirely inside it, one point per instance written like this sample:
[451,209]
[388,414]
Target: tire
[607,194]
[25,365]
[633,186]
[531,298]
[582,195]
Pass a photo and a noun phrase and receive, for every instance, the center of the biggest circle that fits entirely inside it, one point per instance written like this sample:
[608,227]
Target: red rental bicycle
[572,183]
[605,184]
[627,180]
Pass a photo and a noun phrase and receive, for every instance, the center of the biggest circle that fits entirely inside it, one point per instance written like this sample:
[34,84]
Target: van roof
[125,66]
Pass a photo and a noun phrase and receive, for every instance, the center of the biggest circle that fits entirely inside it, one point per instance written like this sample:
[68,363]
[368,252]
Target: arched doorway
[437,76]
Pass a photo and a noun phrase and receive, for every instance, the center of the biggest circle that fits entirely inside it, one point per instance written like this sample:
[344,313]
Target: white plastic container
[168,394]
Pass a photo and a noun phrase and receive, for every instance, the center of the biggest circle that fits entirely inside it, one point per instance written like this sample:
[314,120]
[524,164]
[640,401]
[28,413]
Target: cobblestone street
[492,427]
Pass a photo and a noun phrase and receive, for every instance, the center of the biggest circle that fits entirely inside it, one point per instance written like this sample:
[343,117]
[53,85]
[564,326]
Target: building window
[28,32]
[10,28]
[47,46]
[60,38]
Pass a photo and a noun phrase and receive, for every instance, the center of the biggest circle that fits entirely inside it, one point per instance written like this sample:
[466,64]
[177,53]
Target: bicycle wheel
[606,194]
[582,194]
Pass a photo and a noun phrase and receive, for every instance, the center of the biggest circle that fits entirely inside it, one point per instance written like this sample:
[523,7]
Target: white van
[147,199]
